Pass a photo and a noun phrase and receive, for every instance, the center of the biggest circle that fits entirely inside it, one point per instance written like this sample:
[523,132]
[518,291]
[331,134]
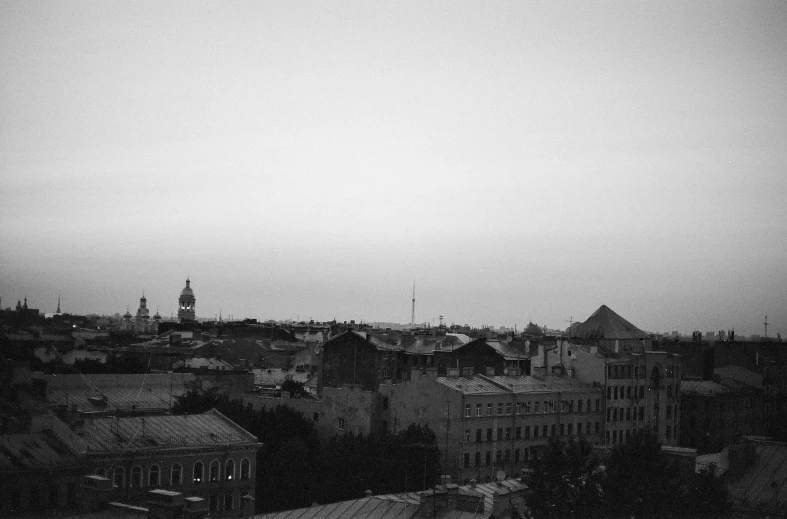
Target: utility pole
[412,316]
[766,325]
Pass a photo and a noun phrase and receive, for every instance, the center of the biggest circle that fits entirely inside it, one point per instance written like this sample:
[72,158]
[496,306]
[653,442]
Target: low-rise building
[205,455]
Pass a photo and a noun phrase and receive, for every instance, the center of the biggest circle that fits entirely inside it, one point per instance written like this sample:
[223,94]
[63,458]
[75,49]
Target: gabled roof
[606,324]
[34,451]
[122,434]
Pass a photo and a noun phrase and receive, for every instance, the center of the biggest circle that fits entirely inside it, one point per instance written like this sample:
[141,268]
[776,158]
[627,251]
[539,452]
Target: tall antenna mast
[766,325]
[412,316]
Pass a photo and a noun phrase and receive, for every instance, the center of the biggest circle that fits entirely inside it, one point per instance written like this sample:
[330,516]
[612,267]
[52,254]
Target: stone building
[485,424]
[204,455]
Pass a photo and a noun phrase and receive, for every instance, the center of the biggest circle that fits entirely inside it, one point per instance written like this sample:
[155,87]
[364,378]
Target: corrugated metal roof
[764,485]
[703,388]
[118,397]
[475,385]
[481,384]
[364,508]
[115,434]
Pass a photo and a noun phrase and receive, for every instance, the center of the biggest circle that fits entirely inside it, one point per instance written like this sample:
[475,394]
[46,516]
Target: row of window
[613,437]
[625,371]
[615,414]
[39,497]
[505,433]
[621,392]
[502,456]
[176,474]
[534,407]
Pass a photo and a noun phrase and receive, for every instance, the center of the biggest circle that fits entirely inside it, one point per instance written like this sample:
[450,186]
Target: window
[213,503]
[508,433]
[554,429]
[385,402]
[489,434]
[628,392]
[477,459]
[175,477]
[507,455]
[628,414]
[489,409]
[669,431]
[527,431]
[579,429]
[546,406]
[500,408]
[516,455]
[535,431]
[341,424]
[518,433]
[478,435]
[488,458]
[519,407]
[545,431]
[598,427]
[154,476]
[609,392]
[499,433]
[245,469]
[579,406]
[466,460]
[615,393]
[499,456]
[198,472]
[508,408]
[229,470]
[467,435]
[562,429]
[119,477]
[214,471]
[535,407]
[227,502]
[669,412]
[609,414]
[641,413]
[136,477]
[467,410]
[598,405]
[570,429]
[478,409]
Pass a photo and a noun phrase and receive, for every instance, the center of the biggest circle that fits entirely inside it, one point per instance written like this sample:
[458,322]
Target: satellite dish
[501,475]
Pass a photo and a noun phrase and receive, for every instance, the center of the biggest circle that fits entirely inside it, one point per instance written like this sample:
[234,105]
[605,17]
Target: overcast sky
[520,161]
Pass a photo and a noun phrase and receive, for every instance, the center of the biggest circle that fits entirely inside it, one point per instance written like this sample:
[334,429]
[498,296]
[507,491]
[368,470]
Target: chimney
[247,505]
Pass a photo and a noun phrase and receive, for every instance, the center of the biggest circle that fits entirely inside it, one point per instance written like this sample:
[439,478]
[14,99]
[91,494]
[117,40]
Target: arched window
[136,477]
[176,476]
[214,471]
[154,476]
[229,470]
[245,469]
[199,469]
[119,477]
[101,472]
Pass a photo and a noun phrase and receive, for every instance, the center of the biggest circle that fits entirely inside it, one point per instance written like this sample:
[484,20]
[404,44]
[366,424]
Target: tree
[567,481]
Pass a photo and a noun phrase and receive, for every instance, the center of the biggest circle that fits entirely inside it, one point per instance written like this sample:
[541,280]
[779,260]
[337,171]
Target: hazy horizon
[520,161]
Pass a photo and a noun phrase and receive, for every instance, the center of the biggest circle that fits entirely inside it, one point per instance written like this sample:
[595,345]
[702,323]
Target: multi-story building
[205,455]
[641,386]
[716,412]
[486,424]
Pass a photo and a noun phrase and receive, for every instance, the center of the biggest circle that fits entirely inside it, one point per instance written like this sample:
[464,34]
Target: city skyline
[520,161]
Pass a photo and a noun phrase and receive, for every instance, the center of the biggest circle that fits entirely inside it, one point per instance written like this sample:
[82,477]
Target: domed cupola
[187,303]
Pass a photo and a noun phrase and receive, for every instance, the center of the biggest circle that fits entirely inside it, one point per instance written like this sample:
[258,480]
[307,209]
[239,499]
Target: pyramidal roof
[605,323]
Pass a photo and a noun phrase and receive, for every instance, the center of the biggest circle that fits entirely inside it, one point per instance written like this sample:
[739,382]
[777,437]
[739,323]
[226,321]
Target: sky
[518,161]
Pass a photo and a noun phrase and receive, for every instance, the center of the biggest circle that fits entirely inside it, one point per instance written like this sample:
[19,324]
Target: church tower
[186,304]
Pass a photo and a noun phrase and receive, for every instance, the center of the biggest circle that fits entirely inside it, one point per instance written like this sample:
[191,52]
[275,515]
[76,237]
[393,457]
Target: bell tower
[187,303]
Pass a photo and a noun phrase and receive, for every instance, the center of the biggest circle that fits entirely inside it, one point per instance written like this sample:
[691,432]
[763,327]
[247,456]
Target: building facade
[487,424]
[205,455]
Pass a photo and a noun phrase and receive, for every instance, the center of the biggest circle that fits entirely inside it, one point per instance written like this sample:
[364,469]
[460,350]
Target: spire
[58,302]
